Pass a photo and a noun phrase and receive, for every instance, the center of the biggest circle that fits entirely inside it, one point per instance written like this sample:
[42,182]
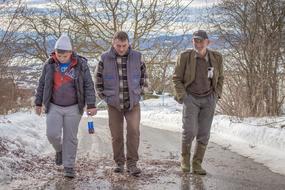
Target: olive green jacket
[184,73]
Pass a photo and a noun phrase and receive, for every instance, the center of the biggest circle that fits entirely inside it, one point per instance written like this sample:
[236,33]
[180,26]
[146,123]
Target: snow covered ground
[22,136]
[263,139]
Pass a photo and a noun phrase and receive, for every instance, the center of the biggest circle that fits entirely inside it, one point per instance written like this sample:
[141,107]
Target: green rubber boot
[185,157]
[198,157]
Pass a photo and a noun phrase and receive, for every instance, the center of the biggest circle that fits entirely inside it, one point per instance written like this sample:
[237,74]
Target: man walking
[120,78]
[65,87]
[198,82]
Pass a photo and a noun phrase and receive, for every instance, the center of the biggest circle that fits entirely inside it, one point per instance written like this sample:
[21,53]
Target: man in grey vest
[198,81]
[120,78]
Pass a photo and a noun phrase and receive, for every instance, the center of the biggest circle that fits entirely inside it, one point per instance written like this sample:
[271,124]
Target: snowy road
[159,159]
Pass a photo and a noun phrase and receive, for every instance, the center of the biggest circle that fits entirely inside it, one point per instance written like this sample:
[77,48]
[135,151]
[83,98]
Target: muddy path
[159,160]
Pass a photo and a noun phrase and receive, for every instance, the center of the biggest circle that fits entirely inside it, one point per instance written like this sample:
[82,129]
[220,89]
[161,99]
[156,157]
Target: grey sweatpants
[198,113]
[62,128]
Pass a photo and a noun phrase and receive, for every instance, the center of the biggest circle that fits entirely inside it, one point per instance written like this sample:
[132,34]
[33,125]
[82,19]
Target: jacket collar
[211,58]
[206,56]
[113,53]
[73,59]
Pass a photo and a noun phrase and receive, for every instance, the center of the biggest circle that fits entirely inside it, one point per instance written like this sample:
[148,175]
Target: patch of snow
[22,135]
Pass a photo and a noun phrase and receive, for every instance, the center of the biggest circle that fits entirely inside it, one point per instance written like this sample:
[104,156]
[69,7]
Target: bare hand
[92,111]
[38,110]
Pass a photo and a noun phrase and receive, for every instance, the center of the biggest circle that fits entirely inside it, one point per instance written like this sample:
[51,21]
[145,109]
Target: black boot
[69,172]
[134,170]
[119,168]
[58,158]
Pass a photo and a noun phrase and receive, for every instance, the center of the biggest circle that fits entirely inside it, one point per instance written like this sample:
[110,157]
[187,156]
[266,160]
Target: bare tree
[92,24]
[143,20]
[42,29]
[252,32]
[160,68]
[10,12]
[10,25]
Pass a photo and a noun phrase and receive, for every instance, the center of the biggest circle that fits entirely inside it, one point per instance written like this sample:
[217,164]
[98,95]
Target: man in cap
[65,87]
[198,82]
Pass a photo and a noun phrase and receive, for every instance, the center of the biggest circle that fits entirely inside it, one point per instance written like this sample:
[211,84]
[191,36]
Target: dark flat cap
[200,34]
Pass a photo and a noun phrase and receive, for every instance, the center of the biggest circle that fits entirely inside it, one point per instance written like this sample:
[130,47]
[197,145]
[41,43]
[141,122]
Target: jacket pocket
[109,92]
[136,95]
[109,80]
[109,96]
[135,80]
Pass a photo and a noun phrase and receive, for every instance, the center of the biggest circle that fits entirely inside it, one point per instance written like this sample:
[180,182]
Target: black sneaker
[69,172]
[134,171]
[119,168]
[58,158]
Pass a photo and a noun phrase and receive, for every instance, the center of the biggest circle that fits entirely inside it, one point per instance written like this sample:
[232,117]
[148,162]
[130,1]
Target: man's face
[200,45]
[63,57]
[121,47]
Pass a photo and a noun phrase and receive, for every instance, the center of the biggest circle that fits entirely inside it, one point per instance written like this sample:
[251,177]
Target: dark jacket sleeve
[88,86]
[40,88]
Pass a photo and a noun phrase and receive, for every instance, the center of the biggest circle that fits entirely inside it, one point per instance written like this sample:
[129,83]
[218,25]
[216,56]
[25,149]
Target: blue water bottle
[90,124]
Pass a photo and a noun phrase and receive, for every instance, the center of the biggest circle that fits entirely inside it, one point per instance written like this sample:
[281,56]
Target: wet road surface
[159,160]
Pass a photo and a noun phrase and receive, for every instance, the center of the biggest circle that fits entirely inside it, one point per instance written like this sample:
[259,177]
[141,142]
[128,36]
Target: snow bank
[22,135]
[263,143]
